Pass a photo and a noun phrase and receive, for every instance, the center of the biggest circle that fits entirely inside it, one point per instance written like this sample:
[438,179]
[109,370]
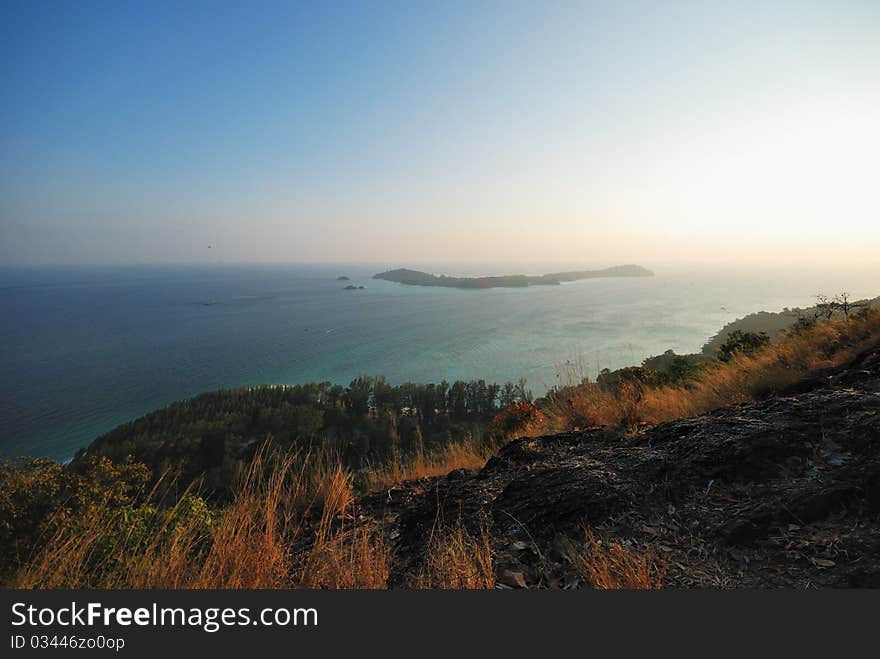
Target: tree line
[367,422]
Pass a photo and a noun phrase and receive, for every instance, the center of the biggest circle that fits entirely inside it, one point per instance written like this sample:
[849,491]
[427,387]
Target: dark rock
[781,493]
[872,492]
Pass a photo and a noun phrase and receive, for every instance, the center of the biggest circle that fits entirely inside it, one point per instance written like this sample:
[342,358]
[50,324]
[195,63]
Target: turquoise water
[84,349]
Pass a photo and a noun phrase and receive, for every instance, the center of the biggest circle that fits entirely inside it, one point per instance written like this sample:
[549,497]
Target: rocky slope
[781,493]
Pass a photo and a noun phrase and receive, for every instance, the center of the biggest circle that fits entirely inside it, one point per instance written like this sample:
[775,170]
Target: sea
[84,349]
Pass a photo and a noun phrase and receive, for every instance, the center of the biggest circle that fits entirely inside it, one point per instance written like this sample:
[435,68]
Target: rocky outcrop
[785,492]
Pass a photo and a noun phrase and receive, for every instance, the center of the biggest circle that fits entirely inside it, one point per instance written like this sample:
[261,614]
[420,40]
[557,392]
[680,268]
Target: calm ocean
[85,349]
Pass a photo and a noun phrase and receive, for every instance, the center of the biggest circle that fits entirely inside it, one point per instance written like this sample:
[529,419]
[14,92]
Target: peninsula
[417,278]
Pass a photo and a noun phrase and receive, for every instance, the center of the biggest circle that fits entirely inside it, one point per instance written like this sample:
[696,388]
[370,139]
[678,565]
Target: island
[352,287]
[417,278]
[343,278]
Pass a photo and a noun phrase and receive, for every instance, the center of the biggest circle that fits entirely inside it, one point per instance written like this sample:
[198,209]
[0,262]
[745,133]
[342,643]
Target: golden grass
[358,558]
[609,566]
[460,455]
[247,546]
[745,378]
[341,557]
[456,559]
[307,500]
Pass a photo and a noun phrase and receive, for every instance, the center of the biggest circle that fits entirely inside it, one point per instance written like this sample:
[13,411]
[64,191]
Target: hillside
[772,323]
[417,278]
[207,437]
[759,469]
[781,493]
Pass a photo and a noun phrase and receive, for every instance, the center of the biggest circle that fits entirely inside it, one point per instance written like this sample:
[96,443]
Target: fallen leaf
[514,579]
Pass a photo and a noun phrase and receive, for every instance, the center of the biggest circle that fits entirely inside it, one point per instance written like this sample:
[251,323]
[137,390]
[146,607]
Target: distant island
[417,278]
[343,278]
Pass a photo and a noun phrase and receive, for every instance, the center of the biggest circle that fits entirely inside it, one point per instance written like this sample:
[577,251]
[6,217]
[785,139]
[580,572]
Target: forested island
[418,278]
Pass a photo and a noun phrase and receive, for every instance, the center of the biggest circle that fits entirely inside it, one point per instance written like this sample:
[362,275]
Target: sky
[447,132]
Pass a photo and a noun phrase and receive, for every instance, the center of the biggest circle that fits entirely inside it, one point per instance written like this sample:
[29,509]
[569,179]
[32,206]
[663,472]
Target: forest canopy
[368,422]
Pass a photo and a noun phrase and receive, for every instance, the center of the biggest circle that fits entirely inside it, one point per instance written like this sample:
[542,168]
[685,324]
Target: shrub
[752,371]
[517,419]
[742,342]
[40,498]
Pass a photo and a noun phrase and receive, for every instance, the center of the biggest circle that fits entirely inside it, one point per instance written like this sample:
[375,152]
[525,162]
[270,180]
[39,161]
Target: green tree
[745,343]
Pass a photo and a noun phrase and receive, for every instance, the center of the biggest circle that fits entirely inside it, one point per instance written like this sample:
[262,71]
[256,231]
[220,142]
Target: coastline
[159,344]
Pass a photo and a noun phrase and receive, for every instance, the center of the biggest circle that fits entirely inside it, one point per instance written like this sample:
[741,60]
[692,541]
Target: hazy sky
[439,132]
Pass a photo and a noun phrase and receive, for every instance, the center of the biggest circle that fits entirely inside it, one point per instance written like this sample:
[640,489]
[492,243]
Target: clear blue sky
[438,132]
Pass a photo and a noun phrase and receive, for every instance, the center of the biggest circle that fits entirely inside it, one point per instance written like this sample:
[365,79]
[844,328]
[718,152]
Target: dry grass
[248,548]
[341,557]
[306,500]
[347,559]
[247,545]
[612,565]
[456,559]
[744,378]
[462,455]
